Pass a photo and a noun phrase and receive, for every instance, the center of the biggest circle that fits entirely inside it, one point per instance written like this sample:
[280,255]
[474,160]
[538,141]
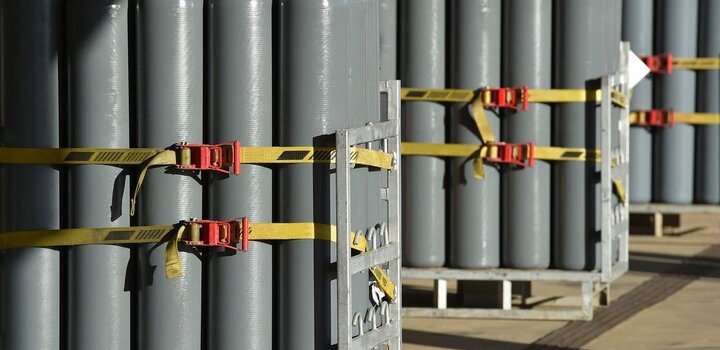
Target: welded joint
[368,145]
[385,194]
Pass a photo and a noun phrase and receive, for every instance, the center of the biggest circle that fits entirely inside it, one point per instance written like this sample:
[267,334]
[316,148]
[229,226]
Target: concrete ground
[678,275]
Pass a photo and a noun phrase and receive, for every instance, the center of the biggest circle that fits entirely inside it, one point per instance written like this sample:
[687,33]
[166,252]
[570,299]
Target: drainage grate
[578,333]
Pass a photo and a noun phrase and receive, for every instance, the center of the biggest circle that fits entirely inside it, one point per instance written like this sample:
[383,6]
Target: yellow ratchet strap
[573,95]
[173,234]
[477,109]
[696,63]
[660,117]
[85,236]
[665,63]
[137,156]
[286,231]
[181,155]
[450,150]
[489,151]
[533,95]
[436,95]
[76,156]
[468,150]
[274,155]
[697,118]
[486,98]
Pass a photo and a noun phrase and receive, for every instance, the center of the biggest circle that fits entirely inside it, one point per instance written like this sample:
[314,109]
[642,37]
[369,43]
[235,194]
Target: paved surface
[669,300]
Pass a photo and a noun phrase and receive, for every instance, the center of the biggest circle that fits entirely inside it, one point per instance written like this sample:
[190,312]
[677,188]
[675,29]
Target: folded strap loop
[167,157]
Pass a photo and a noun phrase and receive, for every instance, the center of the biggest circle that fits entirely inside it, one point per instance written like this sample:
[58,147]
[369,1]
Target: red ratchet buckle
[222,234]
[224,157]
[506,97]
[518,154]
[656,117]
[660,63]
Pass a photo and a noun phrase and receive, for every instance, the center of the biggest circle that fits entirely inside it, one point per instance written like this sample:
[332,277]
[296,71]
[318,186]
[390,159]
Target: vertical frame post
[342,168]
[624,156]
[394,218]
[605,180]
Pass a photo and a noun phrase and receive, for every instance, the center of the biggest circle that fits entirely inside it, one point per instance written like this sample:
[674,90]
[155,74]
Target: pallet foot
[658,224]
[440,293]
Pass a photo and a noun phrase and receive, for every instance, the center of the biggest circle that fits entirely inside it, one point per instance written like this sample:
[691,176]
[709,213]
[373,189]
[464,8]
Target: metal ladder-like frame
[615,165]
[387,132]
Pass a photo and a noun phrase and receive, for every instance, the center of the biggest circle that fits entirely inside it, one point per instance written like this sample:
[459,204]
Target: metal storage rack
[388,134]
[614,235]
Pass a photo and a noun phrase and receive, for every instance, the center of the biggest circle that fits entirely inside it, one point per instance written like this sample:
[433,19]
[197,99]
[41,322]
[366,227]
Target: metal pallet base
[590,282]
[658,210]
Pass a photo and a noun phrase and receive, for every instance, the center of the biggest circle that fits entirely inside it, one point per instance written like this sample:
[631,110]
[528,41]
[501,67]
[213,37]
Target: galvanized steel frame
[390,330]
[615,227]
[615,166]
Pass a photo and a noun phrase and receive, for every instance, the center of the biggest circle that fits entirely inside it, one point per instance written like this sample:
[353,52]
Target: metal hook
[357,321]
[384,233]
[356,239]
[384,312]
[371,236]
[371,317]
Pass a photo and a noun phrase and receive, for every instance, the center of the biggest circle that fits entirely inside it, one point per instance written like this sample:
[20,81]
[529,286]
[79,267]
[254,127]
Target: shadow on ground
[459,342]
[698,266]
